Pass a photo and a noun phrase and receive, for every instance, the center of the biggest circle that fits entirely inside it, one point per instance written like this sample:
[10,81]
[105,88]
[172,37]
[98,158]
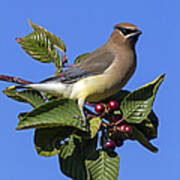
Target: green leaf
[95,124]
[52,114]
[89,146]
[47,140]
[73,165]
[137,105]
[40,47]
[81,58]
[56,60]
[55,40]
[149,126]
[139,136]
[119,96]
[67,148]
[22,115]
[28,96]
[103,165]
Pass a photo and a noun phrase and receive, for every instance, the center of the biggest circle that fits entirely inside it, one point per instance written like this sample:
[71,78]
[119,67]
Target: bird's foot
[77,117]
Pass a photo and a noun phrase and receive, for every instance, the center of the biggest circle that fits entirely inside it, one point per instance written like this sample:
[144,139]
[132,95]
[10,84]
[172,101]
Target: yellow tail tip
[11,88]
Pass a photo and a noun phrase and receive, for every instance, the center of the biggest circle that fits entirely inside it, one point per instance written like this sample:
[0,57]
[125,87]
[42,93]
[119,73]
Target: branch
[68,65]
[14,79]
[119,121]
[64,59]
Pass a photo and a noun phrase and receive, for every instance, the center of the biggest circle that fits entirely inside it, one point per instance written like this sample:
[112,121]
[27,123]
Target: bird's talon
[77,117]
[84,124]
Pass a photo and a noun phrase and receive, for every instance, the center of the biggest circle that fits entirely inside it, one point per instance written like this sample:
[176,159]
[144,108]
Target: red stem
[90,104]
[119,121]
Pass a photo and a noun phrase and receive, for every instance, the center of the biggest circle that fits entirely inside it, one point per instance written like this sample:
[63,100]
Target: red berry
[113,105]
[128,129]
[122,128]
[119,142]
[99,108]
[110,145]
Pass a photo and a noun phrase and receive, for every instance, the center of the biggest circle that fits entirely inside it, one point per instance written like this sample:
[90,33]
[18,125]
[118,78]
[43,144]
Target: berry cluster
[124,129]
[100,108]
[117,130]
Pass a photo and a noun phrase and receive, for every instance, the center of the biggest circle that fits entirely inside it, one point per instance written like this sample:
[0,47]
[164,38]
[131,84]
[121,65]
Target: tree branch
[14,79]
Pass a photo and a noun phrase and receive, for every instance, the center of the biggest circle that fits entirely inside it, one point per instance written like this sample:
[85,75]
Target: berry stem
[104,125]
[90,104]
[119,121]
[90,116]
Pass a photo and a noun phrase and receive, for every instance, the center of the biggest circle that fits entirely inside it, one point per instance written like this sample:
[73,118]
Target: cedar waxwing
[101,74]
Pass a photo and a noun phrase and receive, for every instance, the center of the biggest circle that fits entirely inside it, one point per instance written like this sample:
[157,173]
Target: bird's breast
[98,87]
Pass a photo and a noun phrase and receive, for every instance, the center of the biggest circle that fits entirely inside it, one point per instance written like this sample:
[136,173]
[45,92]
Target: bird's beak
[138,33]
[134,34]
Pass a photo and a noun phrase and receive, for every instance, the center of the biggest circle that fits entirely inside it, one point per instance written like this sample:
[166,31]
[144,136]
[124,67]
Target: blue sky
[84,26]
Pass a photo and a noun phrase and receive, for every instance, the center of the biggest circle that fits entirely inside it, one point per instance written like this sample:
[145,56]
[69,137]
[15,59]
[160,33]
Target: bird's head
[126,33]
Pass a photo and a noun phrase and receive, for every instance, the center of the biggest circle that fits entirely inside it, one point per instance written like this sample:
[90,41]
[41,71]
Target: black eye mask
[126,31]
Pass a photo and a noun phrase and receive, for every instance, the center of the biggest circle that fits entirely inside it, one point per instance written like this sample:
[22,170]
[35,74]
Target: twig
[119,121]
[90,104]
[68,65]
[104,125]
[14,79]
[90,116]
[64,59]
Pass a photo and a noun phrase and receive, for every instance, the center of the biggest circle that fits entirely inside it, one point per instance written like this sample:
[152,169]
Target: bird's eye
[126,31]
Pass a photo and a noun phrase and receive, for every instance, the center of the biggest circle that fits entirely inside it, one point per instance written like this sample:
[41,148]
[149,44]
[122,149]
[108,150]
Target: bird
[101,74]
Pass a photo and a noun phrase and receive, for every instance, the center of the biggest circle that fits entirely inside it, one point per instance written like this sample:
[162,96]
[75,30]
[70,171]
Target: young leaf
[139,136]
[47,140]
[54,39]
[52,114]
[67,148]
[40,47]
[103,165]
[81,58]
[28,96]
[56,60]
[137,105]
[73,165]
[95,124]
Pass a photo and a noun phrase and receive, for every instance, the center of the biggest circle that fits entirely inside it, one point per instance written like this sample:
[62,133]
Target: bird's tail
[56,89]
[22,86]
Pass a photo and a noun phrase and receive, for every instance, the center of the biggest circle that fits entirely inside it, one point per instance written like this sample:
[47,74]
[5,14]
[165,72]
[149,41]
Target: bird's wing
[93,64]
[98,61]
